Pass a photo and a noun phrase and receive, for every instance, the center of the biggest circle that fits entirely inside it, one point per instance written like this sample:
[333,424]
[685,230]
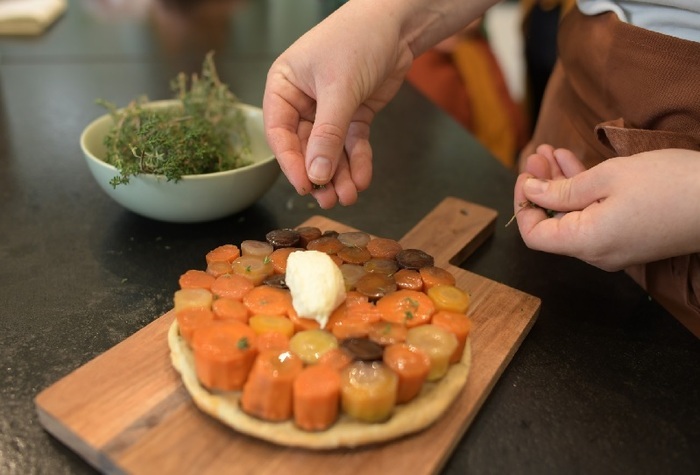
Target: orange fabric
[434,74]
[468,84]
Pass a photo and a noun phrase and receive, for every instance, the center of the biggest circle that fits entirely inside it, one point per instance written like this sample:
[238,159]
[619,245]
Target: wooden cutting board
[126,411]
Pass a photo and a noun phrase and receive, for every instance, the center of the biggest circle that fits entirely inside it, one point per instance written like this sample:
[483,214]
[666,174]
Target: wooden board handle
[452,231]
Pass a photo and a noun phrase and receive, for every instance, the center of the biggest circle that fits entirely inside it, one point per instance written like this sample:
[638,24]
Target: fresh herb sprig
[204,133]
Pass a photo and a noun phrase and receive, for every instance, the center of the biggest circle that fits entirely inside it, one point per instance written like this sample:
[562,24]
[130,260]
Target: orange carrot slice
[271,323]
[279,258]
[327,244]
[268,393]
[189,319]
[224,352]
[268,300]
[273,341]
[230,309]
[337,358]
[218,268]
[226,253]
[409,307]
[433,276]
[232,286]
[362,310]
[412,367]
[196,279]
[387,333]
[408,279]
[347,327]
[344,326]
[457,323]
[354,255]
[384,248]
[316,397]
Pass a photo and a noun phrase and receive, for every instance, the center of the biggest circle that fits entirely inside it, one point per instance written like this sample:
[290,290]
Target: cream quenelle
[316,285]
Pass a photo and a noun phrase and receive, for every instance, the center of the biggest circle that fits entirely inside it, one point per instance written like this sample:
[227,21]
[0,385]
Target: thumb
[569,194]
[326,143]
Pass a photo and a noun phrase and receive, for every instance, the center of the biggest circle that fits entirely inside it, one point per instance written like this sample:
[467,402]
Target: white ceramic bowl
[194,198]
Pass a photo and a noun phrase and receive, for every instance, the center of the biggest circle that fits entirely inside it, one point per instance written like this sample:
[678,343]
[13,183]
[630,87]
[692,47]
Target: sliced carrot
[224,352]
[384,248]
[337,358]
[348,327]
[375,285]
[218,268]
[268,393]
[188,298]
[327,244]
[363,310]
[189,319]
[457,323]
[449,297]
[412,367]
[408,279]
[255,268]
[354,255]
[409,307]
[226,253]
[267,300]
[337,260]
[232,286]
[353,296]
[316,397]
[433,276]
[196,279]
[381,266]
[301,323]
[271,323]
[279,258]
[230,309]
[308,234]
[273,341]
[342,326]
[387,333]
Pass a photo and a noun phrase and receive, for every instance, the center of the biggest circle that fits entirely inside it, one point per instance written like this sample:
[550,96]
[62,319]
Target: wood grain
[127,411]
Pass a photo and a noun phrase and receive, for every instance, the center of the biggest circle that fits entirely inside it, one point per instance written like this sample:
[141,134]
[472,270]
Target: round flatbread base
[418,414]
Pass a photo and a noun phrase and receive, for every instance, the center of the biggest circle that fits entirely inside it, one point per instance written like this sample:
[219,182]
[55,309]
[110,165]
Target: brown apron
[618,90]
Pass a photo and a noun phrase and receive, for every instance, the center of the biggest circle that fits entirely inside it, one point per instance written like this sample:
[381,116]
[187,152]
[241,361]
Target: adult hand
[322,95]
[624,211]
[324,91]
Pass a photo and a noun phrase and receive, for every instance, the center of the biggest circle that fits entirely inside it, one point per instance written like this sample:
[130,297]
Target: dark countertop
[605,382]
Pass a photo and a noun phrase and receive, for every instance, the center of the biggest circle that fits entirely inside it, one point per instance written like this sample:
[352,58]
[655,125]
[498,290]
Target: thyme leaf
[203,133]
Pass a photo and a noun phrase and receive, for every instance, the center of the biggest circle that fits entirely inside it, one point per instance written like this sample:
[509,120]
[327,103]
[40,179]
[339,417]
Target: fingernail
[320,170]
[535,185]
